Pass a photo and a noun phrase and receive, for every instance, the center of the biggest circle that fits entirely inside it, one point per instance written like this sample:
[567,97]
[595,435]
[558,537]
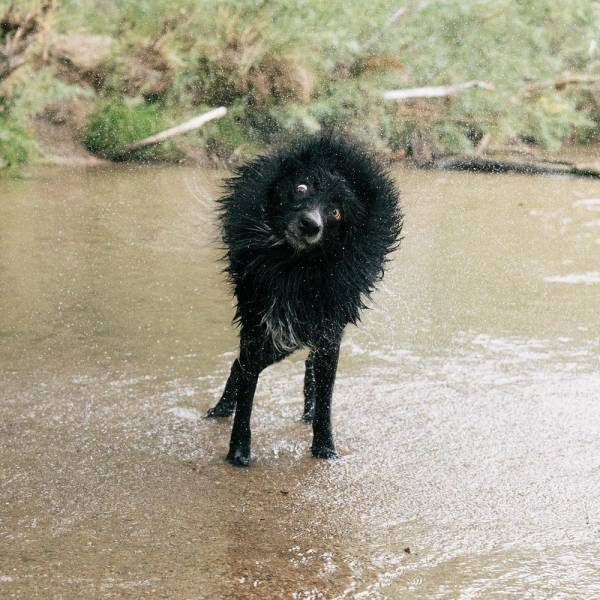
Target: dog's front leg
[309,388]
[325,366]
[253,359]
[239,444]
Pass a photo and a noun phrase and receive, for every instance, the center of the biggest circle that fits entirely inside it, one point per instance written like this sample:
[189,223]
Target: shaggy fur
[307,231]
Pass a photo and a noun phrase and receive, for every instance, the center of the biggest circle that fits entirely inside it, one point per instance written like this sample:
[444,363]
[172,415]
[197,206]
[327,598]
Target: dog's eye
[302,188]
[336,213]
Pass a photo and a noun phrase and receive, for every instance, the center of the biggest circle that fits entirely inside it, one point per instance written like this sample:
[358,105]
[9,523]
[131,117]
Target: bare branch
[190,125]
[410,7]
[514,165]
[434,91]
[565,80]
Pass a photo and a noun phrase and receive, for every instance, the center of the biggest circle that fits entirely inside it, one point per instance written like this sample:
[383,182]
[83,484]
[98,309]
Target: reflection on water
[465,407]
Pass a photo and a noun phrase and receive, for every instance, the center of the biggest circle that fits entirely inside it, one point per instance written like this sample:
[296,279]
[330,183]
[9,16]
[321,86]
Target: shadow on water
[465,406]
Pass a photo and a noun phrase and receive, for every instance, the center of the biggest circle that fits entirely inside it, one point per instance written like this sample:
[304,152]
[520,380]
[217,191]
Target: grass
[285,67]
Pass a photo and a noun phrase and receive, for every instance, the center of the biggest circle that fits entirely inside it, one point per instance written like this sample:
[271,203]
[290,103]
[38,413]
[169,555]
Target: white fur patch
[279,328]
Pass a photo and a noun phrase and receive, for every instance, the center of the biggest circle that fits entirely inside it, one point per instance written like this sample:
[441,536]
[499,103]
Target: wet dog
[307,230]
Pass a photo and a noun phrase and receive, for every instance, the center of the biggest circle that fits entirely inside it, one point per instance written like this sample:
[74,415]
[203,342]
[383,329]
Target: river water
[466,409]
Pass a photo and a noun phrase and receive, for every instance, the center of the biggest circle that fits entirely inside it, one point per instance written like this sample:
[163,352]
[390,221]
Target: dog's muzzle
[307,230]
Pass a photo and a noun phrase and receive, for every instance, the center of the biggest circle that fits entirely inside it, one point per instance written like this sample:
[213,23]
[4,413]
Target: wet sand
[466,405]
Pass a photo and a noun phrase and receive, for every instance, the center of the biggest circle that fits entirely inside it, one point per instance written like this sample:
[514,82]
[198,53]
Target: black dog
[307,230]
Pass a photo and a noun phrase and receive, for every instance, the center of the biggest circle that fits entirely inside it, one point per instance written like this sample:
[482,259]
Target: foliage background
[285,66]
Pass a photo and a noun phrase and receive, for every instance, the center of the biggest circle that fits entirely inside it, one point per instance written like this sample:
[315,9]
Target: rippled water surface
[467,405]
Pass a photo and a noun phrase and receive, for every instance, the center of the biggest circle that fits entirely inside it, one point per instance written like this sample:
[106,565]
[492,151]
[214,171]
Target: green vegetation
[116,123]
[15,142]
[286,66]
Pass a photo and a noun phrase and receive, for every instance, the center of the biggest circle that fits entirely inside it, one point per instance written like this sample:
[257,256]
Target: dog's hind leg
[325,367]
[309,388]
[226,405]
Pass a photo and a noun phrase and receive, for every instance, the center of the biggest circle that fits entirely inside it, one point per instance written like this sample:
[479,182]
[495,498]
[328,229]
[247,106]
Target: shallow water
[466,406]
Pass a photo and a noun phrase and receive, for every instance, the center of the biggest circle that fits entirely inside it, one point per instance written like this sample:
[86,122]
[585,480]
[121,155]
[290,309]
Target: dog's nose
[311,224]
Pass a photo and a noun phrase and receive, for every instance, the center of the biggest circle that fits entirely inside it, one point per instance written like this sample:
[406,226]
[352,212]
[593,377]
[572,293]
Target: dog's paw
[238,457]
[220,410]
[326,451]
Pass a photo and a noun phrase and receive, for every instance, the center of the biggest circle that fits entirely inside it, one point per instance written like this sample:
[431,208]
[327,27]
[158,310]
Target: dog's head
[313,207]
[320,199]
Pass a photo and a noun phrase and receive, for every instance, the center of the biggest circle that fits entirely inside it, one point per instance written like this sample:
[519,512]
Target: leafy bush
[15,142]
[116,123]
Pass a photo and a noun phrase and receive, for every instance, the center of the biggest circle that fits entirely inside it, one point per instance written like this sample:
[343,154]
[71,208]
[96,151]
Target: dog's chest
[292,322]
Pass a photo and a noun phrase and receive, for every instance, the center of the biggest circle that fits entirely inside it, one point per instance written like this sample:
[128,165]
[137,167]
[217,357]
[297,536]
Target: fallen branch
[409,7]
[483,144]
[560,83]
[17,34]
[363,59]
[516,165]
[523,151]
[434,91]
[158,138]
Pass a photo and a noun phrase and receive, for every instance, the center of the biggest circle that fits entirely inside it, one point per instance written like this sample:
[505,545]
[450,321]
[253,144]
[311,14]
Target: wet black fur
[289,298]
